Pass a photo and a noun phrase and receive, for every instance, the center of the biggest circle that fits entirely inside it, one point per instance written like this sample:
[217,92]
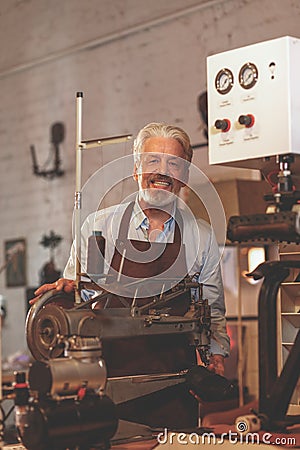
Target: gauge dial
[248,75]
[224,81]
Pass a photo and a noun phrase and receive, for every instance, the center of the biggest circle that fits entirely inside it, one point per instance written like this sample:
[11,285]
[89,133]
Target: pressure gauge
[224,81]
[248,75]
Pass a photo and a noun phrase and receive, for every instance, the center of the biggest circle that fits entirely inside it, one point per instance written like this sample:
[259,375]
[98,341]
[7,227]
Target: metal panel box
[254,103]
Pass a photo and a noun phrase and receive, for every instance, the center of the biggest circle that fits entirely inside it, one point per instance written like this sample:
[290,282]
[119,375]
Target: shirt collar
[139,218]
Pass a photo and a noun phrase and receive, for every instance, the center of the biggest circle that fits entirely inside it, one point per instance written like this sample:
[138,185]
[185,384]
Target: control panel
[254,103]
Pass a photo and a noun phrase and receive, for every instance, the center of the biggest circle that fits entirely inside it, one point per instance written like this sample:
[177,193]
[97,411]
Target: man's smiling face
[161,171]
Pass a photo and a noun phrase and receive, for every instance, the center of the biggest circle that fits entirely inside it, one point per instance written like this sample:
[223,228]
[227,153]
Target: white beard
[157,197]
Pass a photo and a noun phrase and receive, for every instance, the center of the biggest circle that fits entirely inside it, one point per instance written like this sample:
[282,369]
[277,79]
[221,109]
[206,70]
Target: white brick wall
[154,74]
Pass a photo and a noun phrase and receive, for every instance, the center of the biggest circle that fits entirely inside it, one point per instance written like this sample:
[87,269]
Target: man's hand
[63,284]
[216,364]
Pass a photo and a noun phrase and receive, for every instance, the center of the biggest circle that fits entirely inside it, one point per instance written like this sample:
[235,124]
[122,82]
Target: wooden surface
[142,445]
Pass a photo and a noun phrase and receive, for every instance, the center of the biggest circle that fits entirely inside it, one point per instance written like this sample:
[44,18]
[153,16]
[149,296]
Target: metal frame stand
[80,146]
[274,392]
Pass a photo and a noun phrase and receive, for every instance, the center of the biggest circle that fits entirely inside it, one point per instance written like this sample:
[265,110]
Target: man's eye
[174,164]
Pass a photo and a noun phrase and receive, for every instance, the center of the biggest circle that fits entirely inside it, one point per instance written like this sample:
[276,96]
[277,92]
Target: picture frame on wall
[15,257]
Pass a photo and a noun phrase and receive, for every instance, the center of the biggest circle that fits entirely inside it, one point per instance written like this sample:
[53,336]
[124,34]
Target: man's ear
[135,175]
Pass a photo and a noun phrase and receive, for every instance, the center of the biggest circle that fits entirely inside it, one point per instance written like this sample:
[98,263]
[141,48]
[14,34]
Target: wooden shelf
[288,345]
[293,318]
[292,288]
[289,294]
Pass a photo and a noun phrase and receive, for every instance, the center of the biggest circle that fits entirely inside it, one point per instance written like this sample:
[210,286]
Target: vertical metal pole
[240,364]
[0,363]
[77,205]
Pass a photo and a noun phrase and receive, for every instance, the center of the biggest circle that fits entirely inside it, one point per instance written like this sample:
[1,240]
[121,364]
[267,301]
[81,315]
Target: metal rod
[121,265]
[77,205]
[93,143]
[134,298]
[162,291]
[240,363]
[149,377]
[1,394]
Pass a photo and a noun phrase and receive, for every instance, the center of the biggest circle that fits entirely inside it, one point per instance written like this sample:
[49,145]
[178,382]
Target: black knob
[21,389]
[247,120]
[20,377]
[222,124]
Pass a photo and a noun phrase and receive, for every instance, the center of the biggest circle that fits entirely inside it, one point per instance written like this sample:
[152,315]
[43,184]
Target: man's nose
[164,167]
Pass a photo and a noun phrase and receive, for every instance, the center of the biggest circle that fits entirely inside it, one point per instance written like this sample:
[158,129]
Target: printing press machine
[95,367]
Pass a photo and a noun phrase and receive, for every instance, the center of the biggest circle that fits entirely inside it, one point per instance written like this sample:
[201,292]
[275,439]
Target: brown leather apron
[153,261]
[150,354]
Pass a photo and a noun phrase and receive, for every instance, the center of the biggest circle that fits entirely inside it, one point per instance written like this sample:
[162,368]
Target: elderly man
[162,155]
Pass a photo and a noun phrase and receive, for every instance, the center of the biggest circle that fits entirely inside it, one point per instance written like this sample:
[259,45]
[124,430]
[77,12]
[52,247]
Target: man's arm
[62,284]
[67,283]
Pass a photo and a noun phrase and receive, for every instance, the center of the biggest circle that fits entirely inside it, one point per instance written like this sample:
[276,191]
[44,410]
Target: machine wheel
[45,322]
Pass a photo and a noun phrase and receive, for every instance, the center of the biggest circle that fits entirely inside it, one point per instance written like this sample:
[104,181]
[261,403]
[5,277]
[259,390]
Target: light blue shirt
[202,255]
